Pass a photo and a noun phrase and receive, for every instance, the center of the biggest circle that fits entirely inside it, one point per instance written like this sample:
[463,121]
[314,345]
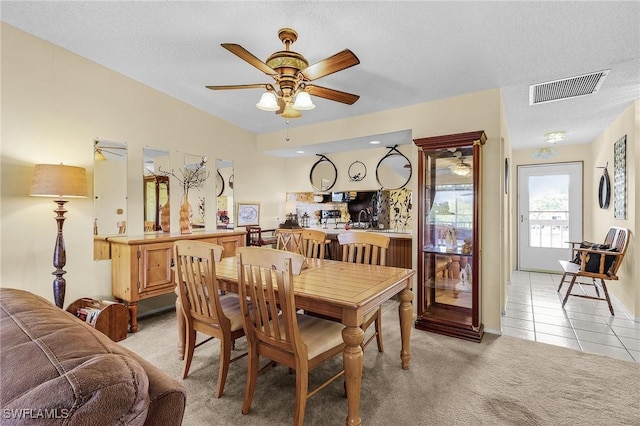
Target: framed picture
[247,213]
[620,178]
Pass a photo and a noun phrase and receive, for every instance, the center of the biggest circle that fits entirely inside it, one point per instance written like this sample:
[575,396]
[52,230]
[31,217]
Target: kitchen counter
[398,253]
[331,230]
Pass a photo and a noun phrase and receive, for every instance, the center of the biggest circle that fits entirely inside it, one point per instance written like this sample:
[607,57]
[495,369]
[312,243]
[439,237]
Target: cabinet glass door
[449,229]
[448,260]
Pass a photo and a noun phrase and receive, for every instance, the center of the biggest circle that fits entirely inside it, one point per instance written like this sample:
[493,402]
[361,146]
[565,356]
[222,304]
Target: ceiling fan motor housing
[288,64]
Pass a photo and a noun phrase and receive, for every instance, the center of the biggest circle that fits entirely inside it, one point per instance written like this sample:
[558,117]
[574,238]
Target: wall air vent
[566,88]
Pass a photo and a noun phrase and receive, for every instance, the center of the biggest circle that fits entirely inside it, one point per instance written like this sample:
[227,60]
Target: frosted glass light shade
[303,102]
[461,169]
[57,180]
[268,102]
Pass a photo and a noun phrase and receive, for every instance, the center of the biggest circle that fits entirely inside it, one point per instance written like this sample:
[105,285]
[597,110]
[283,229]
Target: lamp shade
[268,102]
[57,180]
[303,101]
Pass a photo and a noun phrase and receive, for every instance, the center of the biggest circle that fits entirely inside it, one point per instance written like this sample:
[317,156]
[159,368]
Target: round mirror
[393,170]
[323,174]
[357,171]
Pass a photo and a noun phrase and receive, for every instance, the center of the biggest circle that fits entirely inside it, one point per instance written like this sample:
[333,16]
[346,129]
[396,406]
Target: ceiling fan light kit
[292,90]
[268,102]
[303,102]
[461,168]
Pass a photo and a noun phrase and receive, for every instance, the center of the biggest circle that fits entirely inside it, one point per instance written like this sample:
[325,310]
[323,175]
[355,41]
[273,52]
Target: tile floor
[534,312]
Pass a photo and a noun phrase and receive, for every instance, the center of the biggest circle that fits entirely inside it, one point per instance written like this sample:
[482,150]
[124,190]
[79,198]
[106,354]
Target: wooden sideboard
[141,266]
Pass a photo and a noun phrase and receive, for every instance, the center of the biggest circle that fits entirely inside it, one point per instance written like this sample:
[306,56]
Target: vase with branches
[188,178]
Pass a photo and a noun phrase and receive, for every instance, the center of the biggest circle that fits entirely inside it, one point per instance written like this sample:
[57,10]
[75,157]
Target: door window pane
[549,211]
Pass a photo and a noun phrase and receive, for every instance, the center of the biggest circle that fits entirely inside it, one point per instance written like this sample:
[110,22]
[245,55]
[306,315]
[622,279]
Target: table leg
[133,316]
[181,328]
[353,362]
[405,311]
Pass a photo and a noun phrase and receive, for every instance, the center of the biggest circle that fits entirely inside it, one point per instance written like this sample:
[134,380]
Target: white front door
[549,214]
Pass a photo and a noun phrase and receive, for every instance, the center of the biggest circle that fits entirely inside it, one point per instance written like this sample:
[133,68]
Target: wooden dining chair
[255,237]
[600,263]
[149,226]
[368,248]
[275,329]
[314,243]
[204,309]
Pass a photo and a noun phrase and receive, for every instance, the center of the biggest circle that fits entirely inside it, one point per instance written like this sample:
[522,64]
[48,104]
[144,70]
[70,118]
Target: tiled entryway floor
[534,312]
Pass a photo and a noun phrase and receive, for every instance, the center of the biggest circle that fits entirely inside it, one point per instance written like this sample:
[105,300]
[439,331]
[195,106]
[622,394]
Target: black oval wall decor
[604,190]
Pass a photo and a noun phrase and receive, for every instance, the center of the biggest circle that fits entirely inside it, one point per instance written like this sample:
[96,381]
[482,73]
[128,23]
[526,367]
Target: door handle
[521,218]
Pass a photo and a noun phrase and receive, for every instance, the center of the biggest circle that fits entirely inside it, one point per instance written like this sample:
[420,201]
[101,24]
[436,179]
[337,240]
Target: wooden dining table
[345,292]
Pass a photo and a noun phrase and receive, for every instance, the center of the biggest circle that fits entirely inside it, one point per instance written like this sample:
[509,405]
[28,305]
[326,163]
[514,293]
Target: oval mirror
[604,190]
[323,174]
[393,170]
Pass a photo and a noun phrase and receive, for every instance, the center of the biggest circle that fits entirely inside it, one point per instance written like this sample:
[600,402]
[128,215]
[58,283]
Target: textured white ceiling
[410,52]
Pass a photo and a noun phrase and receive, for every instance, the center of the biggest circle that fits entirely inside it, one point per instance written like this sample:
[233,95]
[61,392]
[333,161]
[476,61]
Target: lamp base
[59,257]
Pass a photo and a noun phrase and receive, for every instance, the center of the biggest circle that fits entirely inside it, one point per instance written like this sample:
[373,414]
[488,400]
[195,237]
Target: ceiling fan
[293,76]
[461,168]
[100,150]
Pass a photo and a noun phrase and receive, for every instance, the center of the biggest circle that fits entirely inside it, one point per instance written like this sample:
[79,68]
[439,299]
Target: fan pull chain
[287,136]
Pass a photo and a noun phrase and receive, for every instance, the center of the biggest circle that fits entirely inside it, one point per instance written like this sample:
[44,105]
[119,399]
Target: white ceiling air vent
[566,88]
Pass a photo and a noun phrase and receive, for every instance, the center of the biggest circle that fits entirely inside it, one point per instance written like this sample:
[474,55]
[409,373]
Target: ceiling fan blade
[335,63]
[110,152]
[282,105]
[332,94]
[247,56]
[242,86]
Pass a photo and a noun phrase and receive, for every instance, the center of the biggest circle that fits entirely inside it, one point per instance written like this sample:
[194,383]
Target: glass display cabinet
[449,178]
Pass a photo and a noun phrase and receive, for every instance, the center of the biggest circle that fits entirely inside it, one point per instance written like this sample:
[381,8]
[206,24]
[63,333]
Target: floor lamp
[57,180]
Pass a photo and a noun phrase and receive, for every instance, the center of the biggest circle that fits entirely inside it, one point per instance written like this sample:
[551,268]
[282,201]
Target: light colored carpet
[501,381]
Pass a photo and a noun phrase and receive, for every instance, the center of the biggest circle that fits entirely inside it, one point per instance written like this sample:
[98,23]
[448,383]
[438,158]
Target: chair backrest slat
[265,278]
[364,247]
[314,243]
[610,236]
[619,239]
[196,277]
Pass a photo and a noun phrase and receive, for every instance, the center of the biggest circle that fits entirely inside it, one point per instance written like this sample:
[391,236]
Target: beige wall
[627,289]
[506,230]
[54,104]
